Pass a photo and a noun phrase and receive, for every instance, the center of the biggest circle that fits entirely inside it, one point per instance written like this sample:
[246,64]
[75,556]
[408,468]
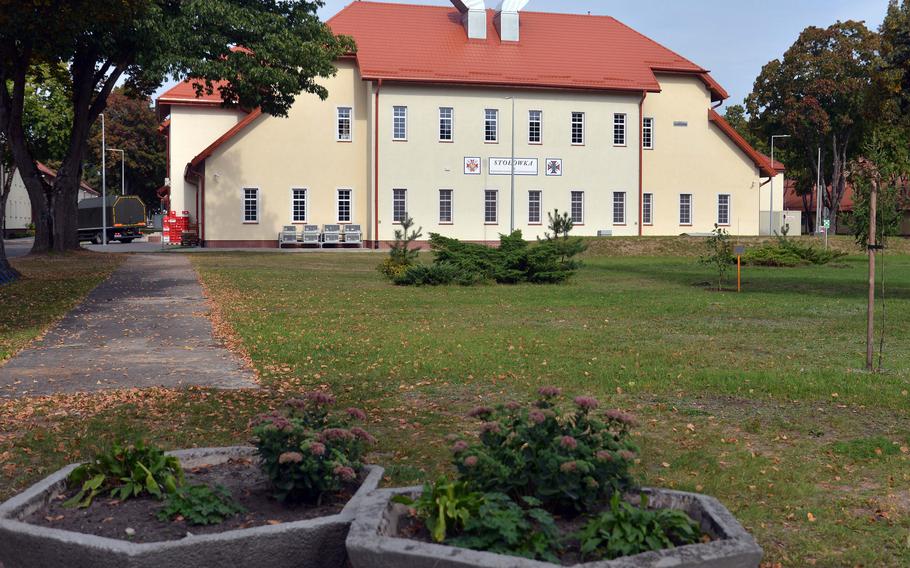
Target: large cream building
[474,122]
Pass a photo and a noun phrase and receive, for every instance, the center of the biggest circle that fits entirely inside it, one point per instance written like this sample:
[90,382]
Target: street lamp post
[773,175]
[103,185]
[512,176]
[122,169]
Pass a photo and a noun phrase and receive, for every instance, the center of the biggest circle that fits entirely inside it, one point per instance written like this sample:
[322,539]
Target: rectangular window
[298,205]
[446,124]
[250,205]
[399,123]
[723,209]
[647,133]
[535,127]
[619,129]
[685,208]
[577,209]
[647,209]
[491,125]
[344,205]
[399,205]
[491,207]
[445,206]
[534,207]
[343,132]
[578,128]
[619,207]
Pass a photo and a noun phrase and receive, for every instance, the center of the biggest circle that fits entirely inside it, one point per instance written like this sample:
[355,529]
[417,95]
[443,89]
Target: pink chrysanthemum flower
[568,442]
[290,457]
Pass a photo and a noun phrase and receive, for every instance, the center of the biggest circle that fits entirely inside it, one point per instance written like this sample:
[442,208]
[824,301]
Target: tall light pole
[773,175]
[103,185]
[512,172]
[122,169]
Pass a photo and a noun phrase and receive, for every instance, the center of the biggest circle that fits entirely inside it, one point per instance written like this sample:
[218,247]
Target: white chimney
[474,17]
[507,21]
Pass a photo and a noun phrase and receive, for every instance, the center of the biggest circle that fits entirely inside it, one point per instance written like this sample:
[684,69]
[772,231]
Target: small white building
[19,207]
[426,119]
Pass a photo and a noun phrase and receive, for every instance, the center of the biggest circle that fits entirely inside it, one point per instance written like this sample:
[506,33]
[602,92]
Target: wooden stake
[872,243]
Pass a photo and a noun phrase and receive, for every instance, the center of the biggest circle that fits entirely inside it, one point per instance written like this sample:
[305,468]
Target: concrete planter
[314,542]
[371,543]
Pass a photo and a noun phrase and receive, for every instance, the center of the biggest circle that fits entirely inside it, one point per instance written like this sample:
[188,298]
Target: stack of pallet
[174,226]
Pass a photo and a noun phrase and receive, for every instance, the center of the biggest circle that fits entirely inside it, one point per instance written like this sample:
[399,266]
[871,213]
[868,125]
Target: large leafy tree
[819,94]
[139,43]
[130,125]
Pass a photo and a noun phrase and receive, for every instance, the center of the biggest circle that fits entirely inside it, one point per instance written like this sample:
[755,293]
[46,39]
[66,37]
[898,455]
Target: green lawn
[756,398]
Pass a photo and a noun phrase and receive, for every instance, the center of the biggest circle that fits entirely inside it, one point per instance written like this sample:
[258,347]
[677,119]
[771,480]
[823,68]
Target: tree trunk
[7,272]
[65,210]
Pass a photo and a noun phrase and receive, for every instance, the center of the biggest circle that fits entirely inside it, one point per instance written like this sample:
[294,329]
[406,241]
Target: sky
[731,38]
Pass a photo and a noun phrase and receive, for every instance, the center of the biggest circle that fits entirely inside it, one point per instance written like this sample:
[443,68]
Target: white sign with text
[523,166]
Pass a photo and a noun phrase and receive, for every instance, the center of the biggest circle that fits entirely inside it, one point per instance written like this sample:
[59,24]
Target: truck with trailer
[125,219]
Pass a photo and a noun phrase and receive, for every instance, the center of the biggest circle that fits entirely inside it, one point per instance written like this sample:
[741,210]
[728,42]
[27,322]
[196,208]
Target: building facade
[18,218]
[474,123]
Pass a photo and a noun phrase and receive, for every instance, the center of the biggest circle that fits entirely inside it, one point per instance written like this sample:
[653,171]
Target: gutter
[376,168]
[641,155]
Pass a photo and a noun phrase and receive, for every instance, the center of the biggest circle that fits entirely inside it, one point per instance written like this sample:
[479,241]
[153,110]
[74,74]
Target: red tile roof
[407,42]
[760,160]
[52,173]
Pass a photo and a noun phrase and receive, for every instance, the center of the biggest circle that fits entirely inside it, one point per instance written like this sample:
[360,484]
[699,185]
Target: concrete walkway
[145,326]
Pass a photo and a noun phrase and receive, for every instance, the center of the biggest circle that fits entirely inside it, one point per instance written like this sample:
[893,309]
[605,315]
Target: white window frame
[647,209]
[495,121]
[572,195]
[451,219]
[306,204]
[691,209]
[620,129]
[647,133]
[572,123]
[350,120]
[243,202]
[539,122]
[539,195]
[350,205]
[451,121]
[486,194]
[622,221]
[729,209]
[404,123]
[395,192]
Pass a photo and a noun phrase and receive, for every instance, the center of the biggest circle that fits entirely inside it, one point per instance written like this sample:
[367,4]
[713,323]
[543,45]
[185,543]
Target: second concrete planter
[372,540]
[314,542]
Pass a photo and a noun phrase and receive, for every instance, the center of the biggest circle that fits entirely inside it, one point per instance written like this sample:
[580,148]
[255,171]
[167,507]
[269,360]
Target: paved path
[17,247]
[145,326]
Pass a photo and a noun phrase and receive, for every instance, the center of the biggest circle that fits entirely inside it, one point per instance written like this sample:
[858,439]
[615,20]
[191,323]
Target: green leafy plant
[200,505]
[444,506]
[719,254]
[626,530]
[308,450]
[571,459]
[560,225]
[402,254]
[126,471]
[787,252]
[502,526]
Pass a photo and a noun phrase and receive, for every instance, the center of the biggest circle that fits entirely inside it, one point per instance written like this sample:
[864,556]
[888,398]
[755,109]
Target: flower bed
[549,484]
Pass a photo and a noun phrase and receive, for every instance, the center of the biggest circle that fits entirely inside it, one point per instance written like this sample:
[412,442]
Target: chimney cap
[465,6]
[512,5]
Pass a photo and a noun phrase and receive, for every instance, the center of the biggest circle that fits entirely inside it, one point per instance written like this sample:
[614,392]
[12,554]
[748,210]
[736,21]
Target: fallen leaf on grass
[273,522]
[811,517]
[54,519]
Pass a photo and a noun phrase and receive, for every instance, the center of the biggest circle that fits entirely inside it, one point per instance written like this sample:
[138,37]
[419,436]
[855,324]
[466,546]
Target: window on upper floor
[344,131]
[446,124]
[619,129]
[647,133]
[578,128]
[535,127]
[491,125]
[400,123]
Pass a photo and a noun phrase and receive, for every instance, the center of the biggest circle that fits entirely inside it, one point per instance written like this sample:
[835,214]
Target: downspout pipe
[641,155]
[199,182]
[376,168]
